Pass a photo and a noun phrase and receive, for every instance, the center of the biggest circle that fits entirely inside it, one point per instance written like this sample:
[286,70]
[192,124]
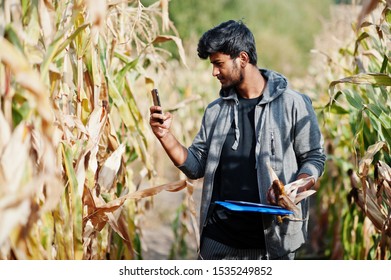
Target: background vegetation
[284,30]
[79,168]
[354,195]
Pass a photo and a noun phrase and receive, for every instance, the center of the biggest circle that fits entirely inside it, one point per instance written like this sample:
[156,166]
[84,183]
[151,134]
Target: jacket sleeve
[308,140]
[194,166]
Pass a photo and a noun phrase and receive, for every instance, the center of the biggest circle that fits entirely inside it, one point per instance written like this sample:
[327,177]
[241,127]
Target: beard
[233,79]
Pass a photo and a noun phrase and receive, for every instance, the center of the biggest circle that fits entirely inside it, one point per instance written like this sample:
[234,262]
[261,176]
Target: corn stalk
[72,75]
[356,122]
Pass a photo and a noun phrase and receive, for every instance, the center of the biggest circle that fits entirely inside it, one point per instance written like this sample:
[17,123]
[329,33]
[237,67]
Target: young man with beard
[256,121]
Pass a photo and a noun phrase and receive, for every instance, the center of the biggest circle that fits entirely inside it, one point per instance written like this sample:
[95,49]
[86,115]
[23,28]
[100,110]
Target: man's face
[226,69]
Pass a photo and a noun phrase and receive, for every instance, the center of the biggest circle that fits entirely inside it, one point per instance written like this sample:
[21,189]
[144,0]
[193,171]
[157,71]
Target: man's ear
[244,59]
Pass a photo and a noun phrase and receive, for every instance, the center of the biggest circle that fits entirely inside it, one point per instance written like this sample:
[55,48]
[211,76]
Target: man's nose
[215,71]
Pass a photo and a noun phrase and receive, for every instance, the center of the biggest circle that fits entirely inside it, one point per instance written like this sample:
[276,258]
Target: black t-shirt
[236,179]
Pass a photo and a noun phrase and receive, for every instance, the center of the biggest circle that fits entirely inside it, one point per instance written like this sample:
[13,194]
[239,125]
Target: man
[258,120]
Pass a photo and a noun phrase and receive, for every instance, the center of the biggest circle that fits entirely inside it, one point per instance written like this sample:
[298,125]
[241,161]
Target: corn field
[74,142]
[354,200]
[77,164]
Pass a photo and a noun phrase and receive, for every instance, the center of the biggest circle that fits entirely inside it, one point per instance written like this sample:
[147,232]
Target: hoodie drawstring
[259,130]
[237,132]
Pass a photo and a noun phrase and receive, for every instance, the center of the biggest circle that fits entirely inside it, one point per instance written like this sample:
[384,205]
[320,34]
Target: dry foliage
[373,195]
[355,72]
[71,125]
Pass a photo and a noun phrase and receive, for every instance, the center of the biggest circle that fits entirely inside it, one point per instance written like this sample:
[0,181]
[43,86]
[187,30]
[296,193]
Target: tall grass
[77,157]
[75,78]
[354,197]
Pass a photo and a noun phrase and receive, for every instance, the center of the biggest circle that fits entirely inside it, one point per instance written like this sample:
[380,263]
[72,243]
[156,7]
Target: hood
[275,86]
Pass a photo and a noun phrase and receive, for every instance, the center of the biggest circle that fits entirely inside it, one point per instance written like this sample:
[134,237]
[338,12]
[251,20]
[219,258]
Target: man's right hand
[160,123]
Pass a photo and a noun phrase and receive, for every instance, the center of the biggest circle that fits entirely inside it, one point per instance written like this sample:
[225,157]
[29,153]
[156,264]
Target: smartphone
[155,97]
[156,101]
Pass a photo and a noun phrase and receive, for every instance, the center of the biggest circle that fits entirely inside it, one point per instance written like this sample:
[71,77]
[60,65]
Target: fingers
[156,116]
[158,119]
[155,109]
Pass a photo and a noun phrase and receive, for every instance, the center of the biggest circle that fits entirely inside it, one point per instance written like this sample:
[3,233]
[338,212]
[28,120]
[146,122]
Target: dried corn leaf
[117,223]
[383,181]
[12,217]
[368,201]
[384,171]
[366,161]
[15,208]
[14,158]
[46,21]
[97,214]
[96,10]
[109,170]
[372,209]
[364,165]
[165,17]
[292,188]
[367,7]
[178,42]
[5,134]
[300,196]
[25,76]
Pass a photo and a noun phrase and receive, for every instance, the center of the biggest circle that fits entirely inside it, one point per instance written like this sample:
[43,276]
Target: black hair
[231,38]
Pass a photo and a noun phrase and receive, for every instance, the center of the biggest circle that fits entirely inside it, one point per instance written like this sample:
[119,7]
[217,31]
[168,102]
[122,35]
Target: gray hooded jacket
[288,137]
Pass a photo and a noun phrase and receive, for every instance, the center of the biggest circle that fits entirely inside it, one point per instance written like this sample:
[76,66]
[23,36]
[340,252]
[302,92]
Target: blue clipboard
[243,206]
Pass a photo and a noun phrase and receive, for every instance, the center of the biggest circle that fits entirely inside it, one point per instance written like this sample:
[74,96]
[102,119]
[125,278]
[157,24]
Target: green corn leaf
[120,77]
[121,57]
[387,15]
[57,46]
[13,37]
[354,99]
[358,125]
[383,117]
[337,109]
[362,37]
[386,132]
[384,64]
[96,70]
[375,79]
[70,171]
[119,102]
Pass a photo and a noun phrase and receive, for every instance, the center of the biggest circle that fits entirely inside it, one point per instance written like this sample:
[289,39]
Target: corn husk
[287,196]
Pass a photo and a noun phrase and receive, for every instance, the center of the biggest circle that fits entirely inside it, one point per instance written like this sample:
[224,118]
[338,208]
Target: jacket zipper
[272,144]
